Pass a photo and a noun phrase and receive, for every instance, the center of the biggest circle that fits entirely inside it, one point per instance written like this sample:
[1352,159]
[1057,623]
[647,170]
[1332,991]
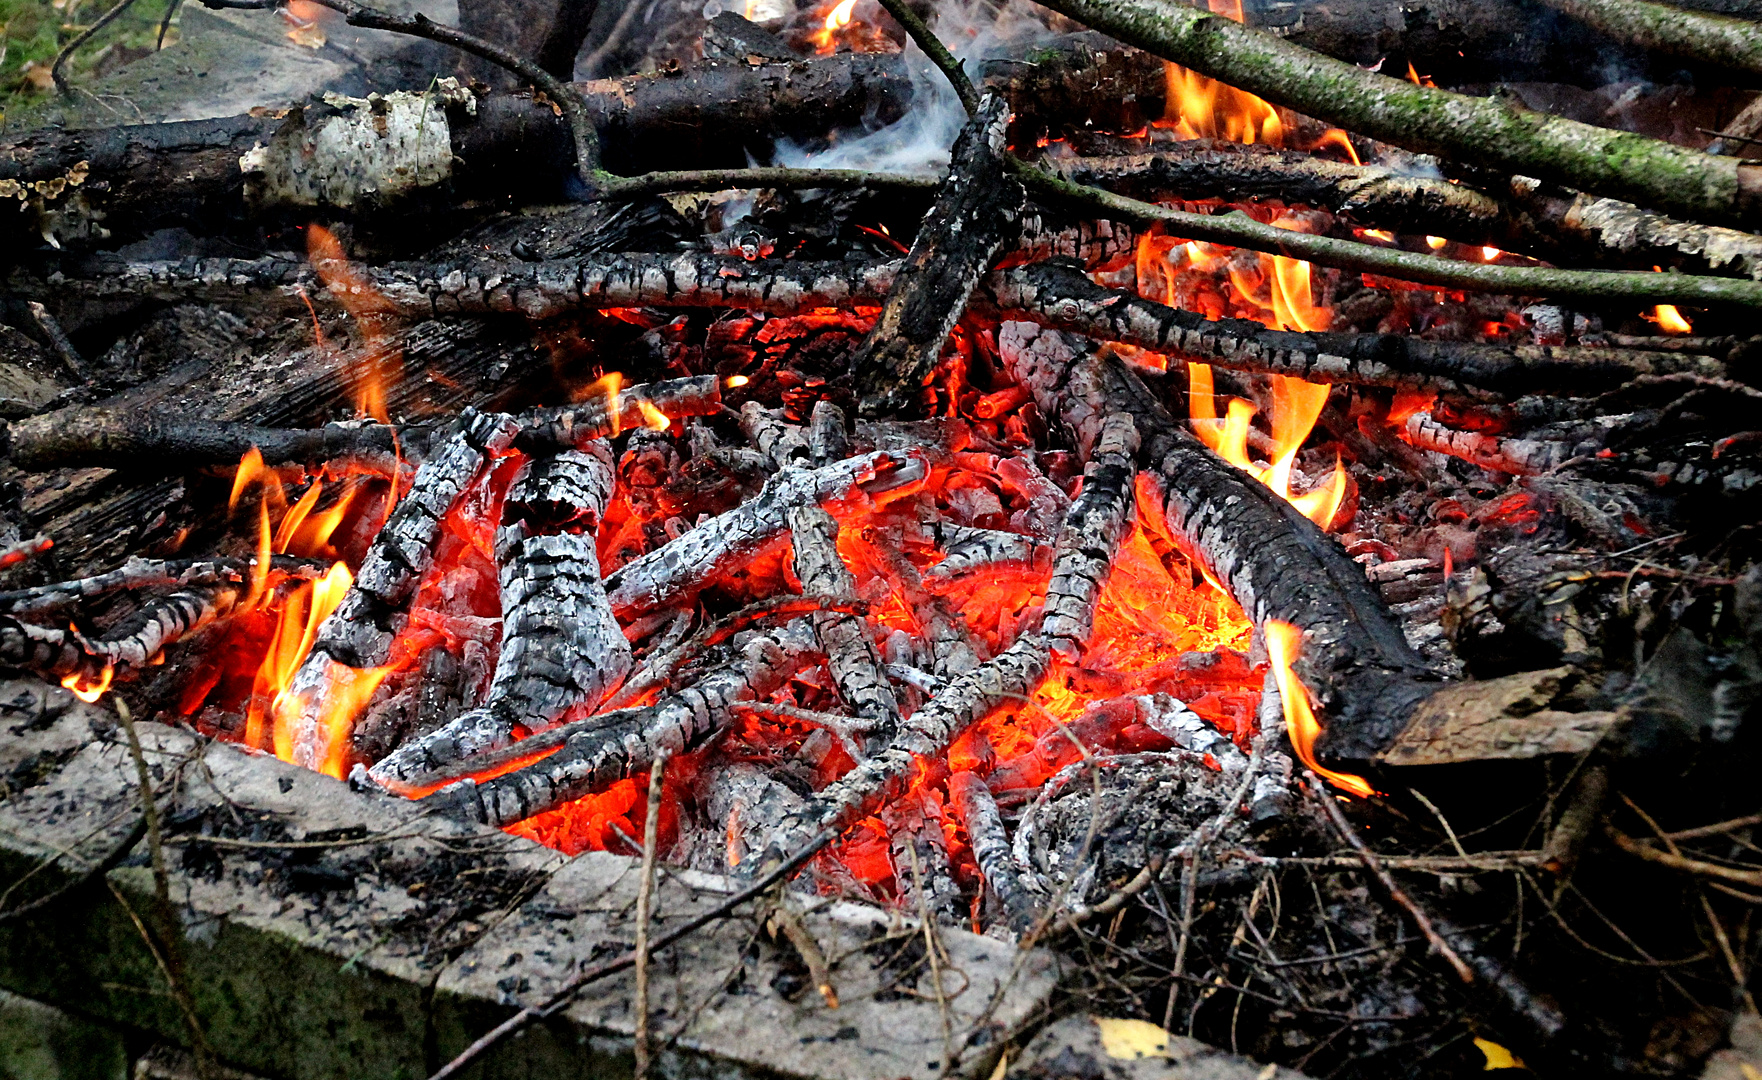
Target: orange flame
[89,692]
[611,386]
[1669,319]
[1284,643]
[301,614]
[652,418]
[371,311]
[1296,406]
[1416,78]
[836,19]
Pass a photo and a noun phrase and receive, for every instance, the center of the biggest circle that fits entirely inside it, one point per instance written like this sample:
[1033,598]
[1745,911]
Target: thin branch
[1697,867]
[62,57]
[657,183]
[644,905]
[1692,35]
[562,94]
[556,1002]
[1369,857]
[936,51]
[1239,230]
[149,808]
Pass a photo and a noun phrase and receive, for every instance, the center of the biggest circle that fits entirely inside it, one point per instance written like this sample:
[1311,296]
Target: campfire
[1276,530]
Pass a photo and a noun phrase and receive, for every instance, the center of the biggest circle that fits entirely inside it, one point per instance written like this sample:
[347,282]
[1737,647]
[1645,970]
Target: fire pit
[1280,577]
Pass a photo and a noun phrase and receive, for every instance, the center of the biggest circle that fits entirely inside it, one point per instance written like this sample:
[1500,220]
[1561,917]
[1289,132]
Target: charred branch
[84,438]
[973,216]
[991,847]
[1099,518]
[140,573]
[846,639]
[622,745]
[131,644]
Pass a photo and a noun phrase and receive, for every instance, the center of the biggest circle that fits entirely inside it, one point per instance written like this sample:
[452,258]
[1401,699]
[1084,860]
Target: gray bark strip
[562,649]
[827,439]
[785,444]
[1061,297]
[974,215]
[745,802]
[969,550]
[1097,521]
[559,427]
[359,633]
[1619,233]
[626,743]
[133,643]
[991,847]
[1092,243]
[1272,560]
[1005,678]
[1517,456]
[681,567]
[847,639]
[139,573]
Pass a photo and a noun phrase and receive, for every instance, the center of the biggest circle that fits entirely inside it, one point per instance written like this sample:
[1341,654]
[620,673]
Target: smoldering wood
[627,743]
[783,444]
[1098,519]
[683,566]
[1060,296]
[1276,563]
[745,802]
[967,550]
[559,427]
[1007,677]
[562,648]
[972,800]
[1610,232]
[827,439]
[847,640]
[140,573]
[973,217]
[1517,456]
[358,634]
[94,437]
[131,644]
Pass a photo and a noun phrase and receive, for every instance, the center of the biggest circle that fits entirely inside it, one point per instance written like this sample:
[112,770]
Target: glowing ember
[302,19]
[1284,643]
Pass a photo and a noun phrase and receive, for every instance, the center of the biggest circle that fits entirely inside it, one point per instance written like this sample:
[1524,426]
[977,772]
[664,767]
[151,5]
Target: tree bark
[1617,164]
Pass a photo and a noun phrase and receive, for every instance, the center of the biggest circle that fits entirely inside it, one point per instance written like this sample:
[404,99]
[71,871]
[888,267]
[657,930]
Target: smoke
[920,141]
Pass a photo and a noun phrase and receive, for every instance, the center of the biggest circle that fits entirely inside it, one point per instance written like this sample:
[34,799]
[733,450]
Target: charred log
[991,847]
[132,644]
[846,639]
[974,215]
[1099,518]
[141,573]
[85,438]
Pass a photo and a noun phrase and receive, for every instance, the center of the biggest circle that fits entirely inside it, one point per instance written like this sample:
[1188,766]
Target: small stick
[58,340]
[24,549]
[149,809]
[936,51]
[1420,918]
[61,57]
[657,183]
[931,949]
[568,990]
[644,901]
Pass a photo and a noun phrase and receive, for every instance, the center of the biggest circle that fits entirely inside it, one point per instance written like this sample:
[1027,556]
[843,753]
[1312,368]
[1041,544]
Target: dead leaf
[1130,1040]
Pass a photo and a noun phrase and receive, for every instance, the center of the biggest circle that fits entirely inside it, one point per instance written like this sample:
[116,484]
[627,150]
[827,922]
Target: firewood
[680,568]
[1506,718]
[1693,185]
[139,573]
[785,444]
[846,639]
[626,409]
[970,550]
[96,437]
[561,649]
[132,644]
[1517,456]
[827,439]
[1099,519]
[991,847]
[1275,562]
[974,216]
[623,745]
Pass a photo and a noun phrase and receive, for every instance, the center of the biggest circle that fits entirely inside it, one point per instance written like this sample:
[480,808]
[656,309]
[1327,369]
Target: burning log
[87,663]
[1517,456]
[608,748]
[682,567]
[974,215]
[1097,522]
[845,638]
[970,550]
[561,648]
[622,409]
[140,573]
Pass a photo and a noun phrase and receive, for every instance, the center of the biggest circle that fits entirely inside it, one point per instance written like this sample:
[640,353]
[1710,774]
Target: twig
[936,51]
[644,902]
[1239,230]
[70,357]
[1420,918]
[165,23]
[562,94]
[1715,829]
[656,183]
[61,57]
[931,949]
[149,810]
[593,974]
[590,67]
[1667,28]
[1643,850]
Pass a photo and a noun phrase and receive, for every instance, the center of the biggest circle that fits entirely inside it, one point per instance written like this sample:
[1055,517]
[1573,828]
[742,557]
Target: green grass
[33,31]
